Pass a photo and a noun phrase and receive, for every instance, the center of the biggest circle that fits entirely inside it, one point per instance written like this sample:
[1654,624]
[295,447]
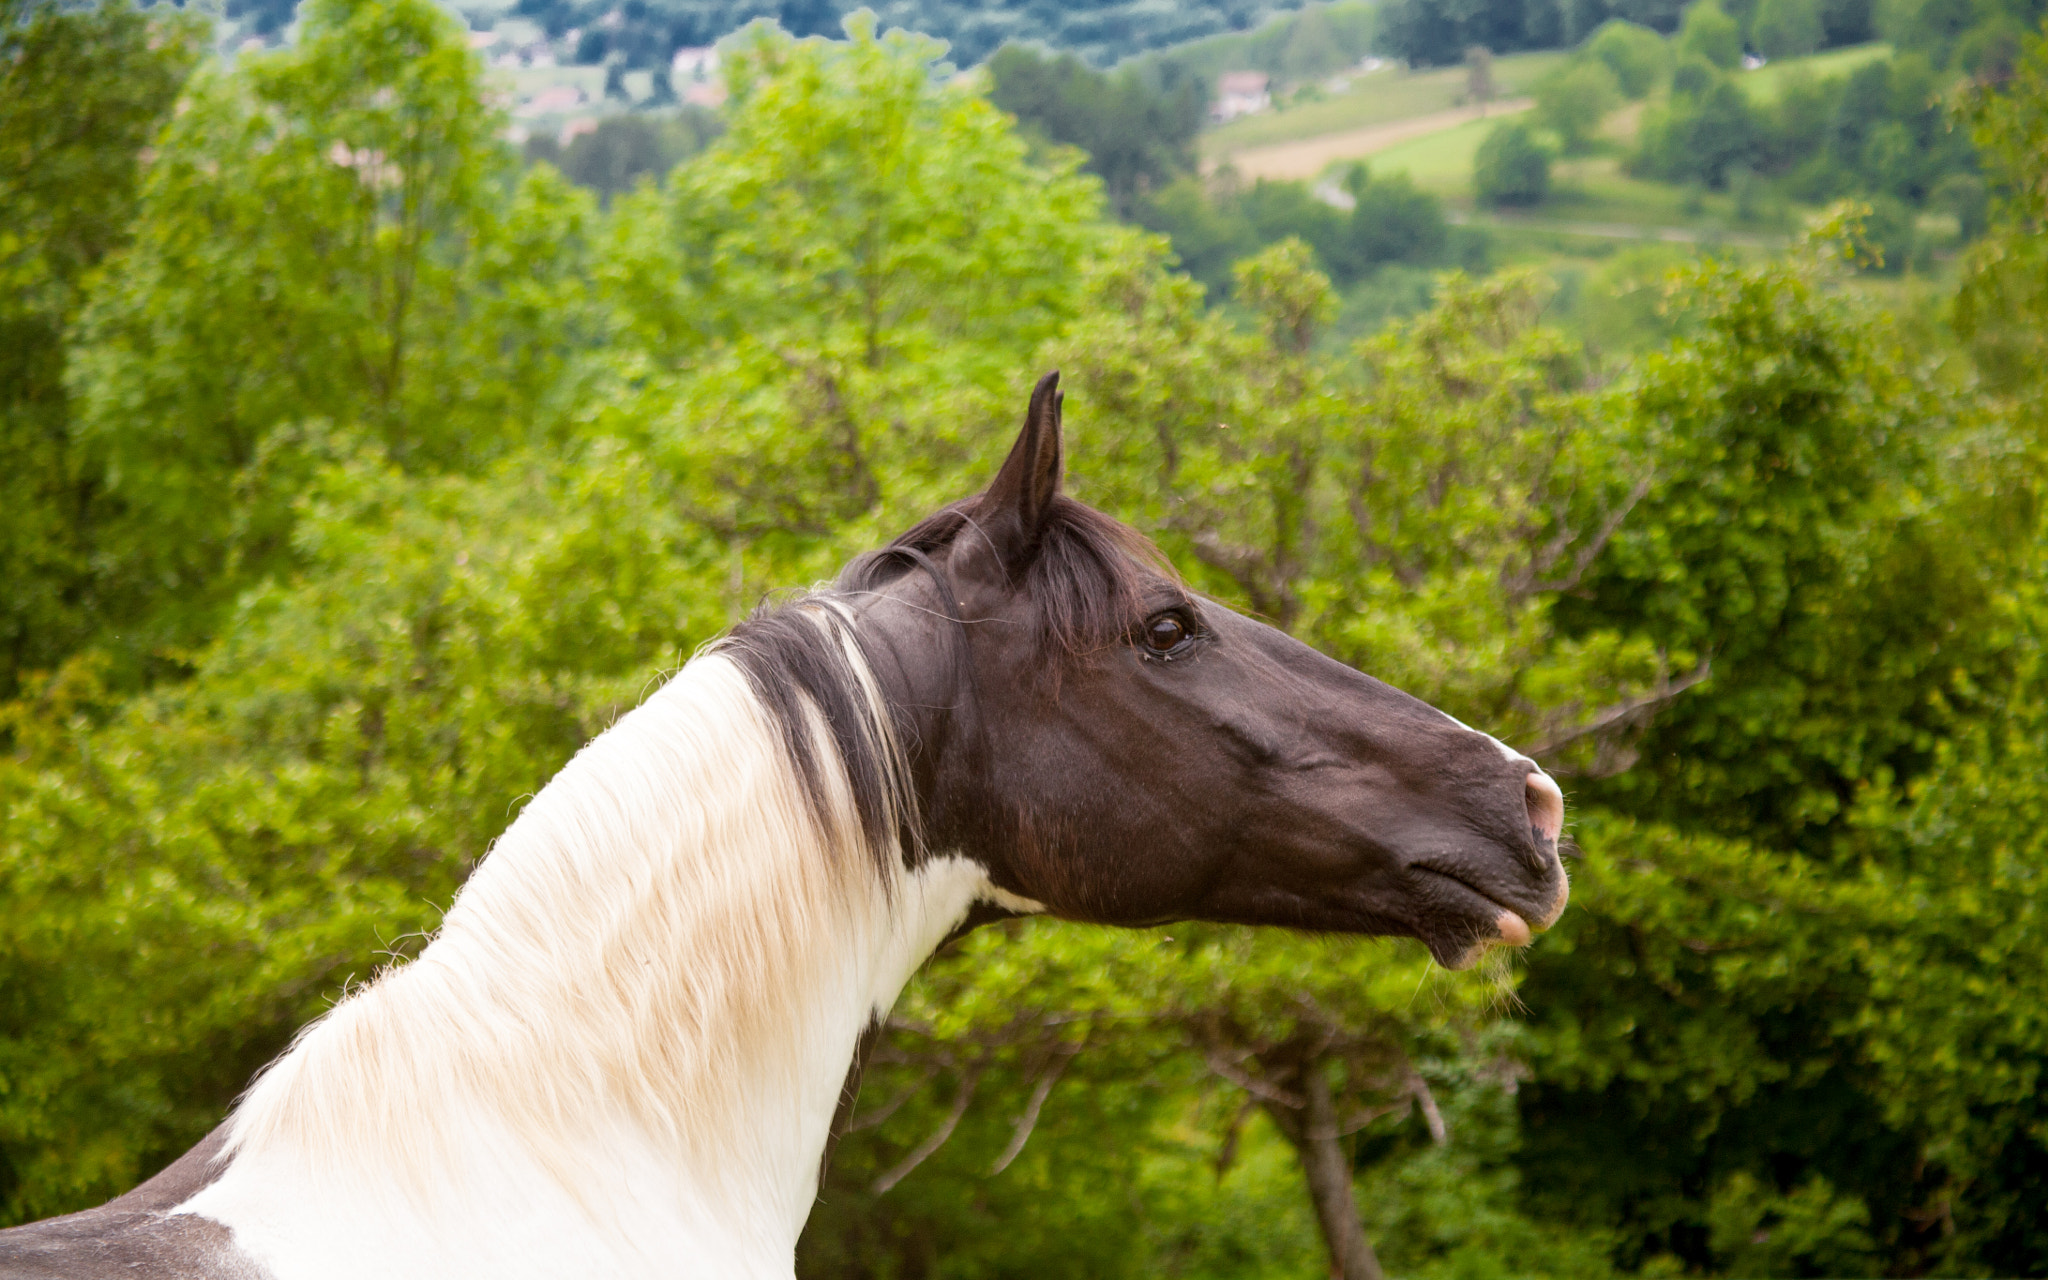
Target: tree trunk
[1313,1131]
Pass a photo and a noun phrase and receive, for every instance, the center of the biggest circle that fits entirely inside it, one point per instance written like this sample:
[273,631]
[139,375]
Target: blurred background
[389,392]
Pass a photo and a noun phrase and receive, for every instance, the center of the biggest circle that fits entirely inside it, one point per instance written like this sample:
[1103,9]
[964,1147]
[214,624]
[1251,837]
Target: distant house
[550,101]
[1241,93]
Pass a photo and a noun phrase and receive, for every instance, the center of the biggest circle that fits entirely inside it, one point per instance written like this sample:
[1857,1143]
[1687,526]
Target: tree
[1787,28]
[1137,139]
[1479,86]
[1717,912]
[1511,167]
[82,94]
[1574,100]
[1637,56]
[1392,220]
[1437,33]
[782,283]
[344,200]
[1702,134]
[1711,34]
[1772,600]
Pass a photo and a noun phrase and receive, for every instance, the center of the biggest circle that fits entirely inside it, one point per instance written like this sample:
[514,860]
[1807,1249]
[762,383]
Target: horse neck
[660,974]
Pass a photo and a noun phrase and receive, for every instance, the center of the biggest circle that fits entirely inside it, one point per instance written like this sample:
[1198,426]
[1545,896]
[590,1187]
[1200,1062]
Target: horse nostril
[1546,806]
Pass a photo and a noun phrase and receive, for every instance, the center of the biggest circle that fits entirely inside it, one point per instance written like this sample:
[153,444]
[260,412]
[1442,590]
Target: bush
[1573,100]
[1700,136]
[1512,168]
[1279,210]
[1711,34]
[1393,221]
[1637,56]
[1800,117]
[1693,77]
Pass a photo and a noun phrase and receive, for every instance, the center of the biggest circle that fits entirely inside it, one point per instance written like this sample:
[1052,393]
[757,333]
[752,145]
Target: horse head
[1113,747]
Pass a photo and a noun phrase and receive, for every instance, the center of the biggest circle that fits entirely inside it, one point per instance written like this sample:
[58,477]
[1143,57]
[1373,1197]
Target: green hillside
[1383,96]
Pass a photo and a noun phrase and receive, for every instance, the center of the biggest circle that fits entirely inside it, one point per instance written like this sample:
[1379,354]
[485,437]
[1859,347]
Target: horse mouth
[1459,921]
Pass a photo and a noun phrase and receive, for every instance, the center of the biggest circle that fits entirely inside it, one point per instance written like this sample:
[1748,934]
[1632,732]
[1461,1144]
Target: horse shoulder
[134,1235]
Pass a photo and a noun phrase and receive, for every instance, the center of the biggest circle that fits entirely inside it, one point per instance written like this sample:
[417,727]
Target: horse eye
[1165,633]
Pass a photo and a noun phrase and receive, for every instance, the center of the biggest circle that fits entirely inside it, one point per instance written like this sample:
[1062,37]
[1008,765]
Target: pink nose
[1546,806]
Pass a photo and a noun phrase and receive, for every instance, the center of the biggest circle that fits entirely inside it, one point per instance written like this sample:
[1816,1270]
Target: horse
[623,1052]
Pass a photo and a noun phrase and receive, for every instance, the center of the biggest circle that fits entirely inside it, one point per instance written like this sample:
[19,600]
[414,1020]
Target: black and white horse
[622,1054]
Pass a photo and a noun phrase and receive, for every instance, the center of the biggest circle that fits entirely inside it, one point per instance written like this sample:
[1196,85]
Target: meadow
[1590,189]
[1385,96]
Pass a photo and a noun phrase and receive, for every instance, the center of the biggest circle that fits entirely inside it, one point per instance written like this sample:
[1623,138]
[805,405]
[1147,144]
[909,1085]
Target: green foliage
[1391,221]
[622,149]
[783,339]
[1782,385]
[405,296]
[82,93]
[1638,56]
[1437,32]
[1511,167]
[1943,29]
[1958,973]
[1136,139]
[1732,941]
[1787,28]
[1880,133]
[1708,128]
[1572,101]
[2001,306]
[1710,34]
[1217,225]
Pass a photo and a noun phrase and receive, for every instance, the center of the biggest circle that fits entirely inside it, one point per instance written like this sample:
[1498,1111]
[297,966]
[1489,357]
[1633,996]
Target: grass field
[1441,162]
[1604,238]
[1763,83]
[1381,97]
[1591,197]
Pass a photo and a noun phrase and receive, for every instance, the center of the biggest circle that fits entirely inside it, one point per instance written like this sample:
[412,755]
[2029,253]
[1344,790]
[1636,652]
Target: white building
[1241,93]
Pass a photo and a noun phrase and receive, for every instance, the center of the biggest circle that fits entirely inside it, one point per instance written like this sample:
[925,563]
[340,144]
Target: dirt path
[1307,157]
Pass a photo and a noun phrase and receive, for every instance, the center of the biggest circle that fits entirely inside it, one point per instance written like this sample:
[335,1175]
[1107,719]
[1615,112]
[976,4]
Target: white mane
[622,1052]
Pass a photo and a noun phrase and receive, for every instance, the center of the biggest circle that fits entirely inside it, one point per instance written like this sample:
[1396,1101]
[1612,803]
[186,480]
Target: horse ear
[1015,507]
